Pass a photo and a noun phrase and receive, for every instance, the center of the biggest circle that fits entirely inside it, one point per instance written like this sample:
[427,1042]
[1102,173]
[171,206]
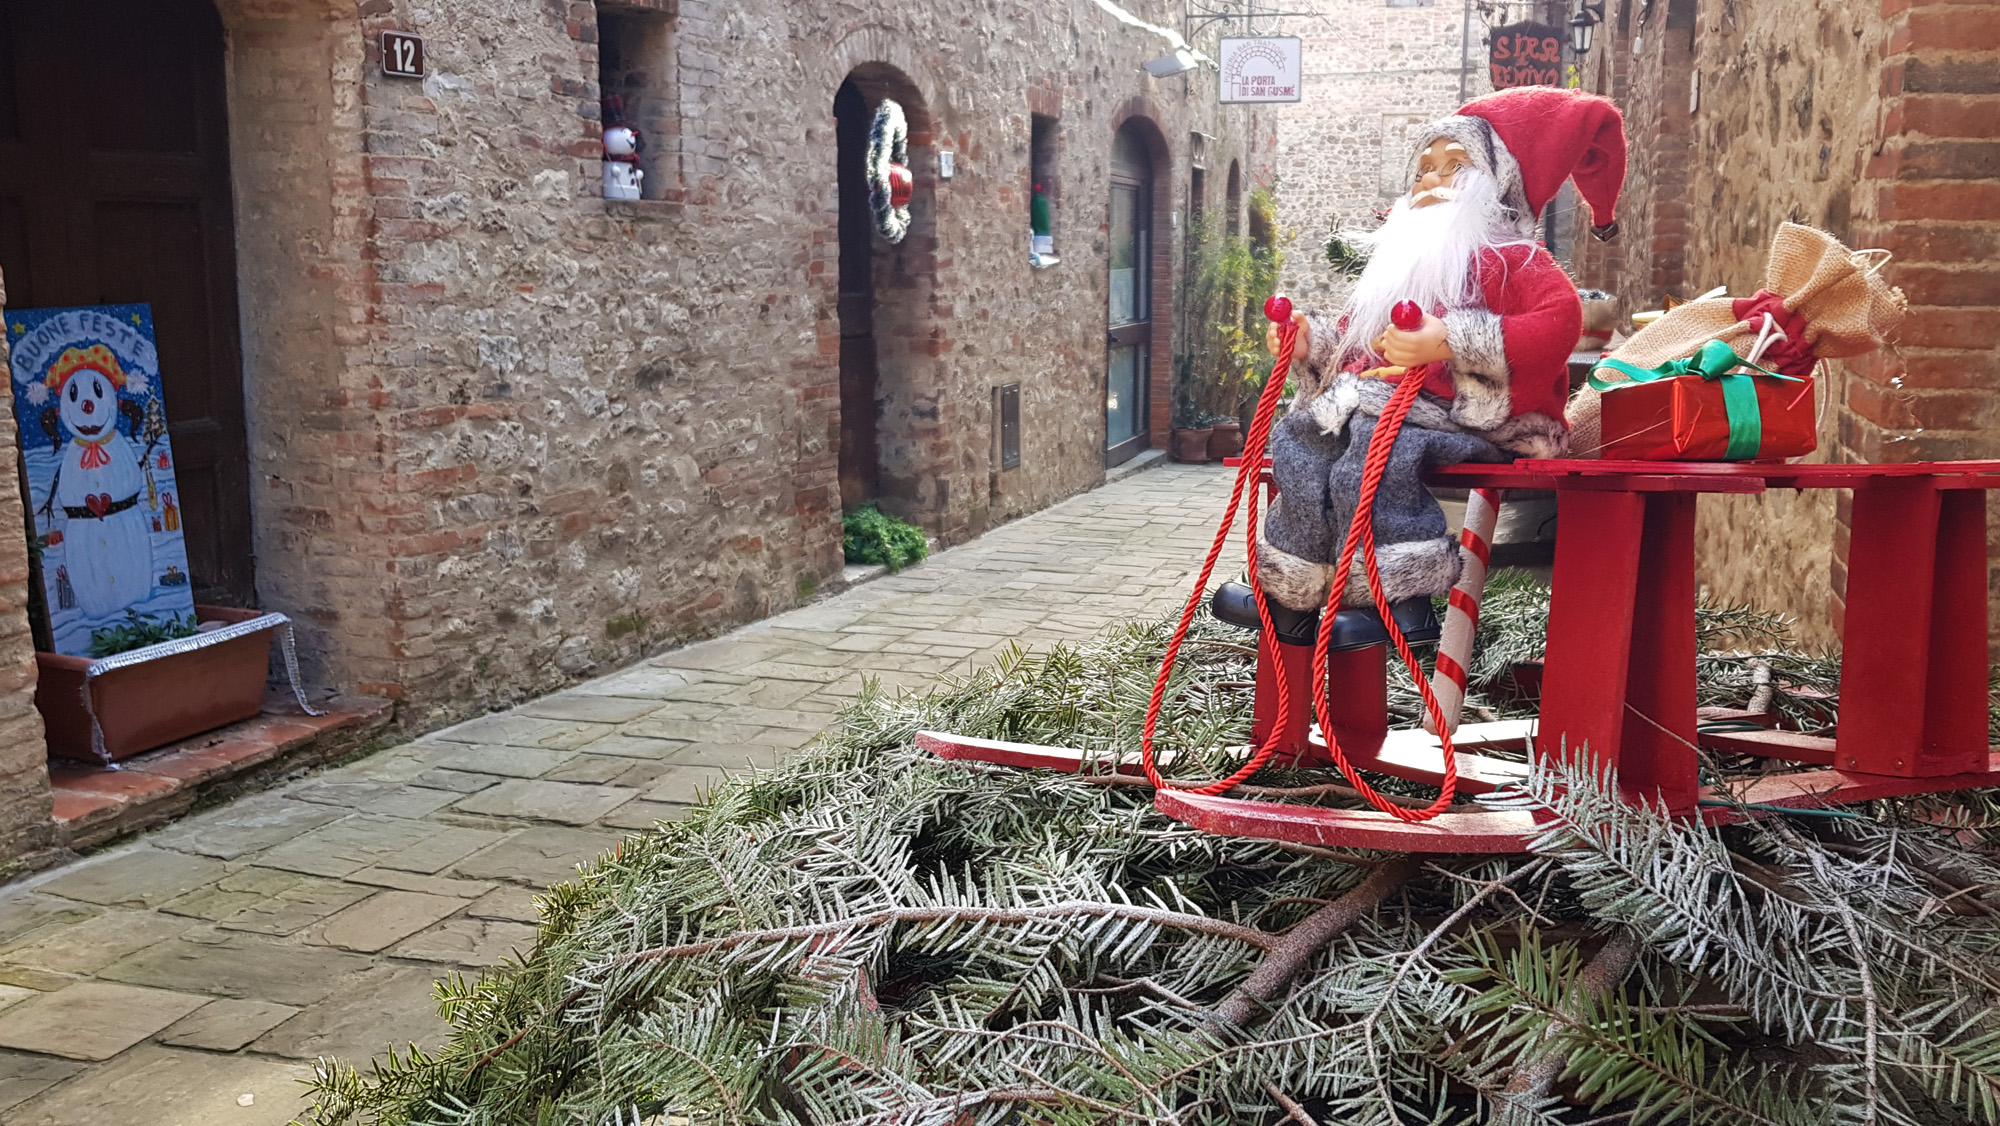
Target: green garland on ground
[873,936]
[873,537]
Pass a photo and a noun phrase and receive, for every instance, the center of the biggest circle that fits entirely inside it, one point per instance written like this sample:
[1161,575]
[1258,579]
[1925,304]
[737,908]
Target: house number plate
[402,54]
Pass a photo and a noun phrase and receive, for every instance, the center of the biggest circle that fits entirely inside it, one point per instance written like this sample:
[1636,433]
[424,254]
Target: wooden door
[114,187]
[1128,352]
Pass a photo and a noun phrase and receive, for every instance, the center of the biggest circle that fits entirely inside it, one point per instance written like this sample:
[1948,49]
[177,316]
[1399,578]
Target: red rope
[1361,533]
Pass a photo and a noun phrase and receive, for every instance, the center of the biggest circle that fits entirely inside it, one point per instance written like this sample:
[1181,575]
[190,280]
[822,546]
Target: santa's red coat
[1541,319]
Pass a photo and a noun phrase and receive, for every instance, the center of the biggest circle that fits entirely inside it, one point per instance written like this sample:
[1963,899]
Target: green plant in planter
[870,536]
[138,631]
[1224,363]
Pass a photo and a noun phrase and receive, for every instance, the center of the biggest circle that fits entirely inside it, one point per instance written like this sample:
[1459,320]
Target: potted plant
[1189,440]
[181,679]
[1225,437]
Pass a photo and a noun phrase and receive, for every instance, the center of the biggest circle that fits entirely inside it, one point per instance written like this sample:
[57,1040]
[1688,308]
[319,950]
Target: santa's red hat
[1532,138]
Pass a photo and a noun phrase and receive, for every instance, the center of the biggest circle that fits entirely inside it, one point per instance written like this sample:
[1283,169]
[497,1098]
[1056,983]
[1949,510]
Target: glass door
[1130,306]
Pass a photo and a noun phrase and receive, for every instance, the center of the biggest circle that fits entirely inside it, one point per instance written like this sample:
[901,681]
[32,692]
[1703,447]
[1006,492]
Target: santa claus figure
[1500,319]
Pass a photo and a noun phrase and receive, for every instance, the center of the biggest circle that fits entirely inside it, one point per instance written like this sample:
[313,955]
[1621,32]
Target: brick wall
[505,434]
[26,834]
[1864,118]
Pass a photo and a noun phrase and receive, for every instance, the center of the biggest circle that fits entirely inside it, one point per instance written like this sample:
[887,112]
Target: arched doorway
[115,187]
[888,390]
[859,465]
[1128,355]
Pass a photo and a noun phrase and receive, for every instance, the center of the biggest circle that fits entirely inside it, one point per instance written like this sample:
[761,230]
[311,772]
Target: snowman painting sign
[100,469]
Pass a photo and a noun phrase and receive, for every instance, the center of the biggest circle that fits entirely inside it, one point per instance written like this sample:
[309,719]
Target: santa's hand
[1426,345]
[1301,345]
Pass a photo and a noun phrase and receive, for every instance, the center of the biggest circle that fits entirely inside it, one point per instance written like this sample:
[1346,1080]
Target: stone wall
[506,433]
[1375,71]
[1805,110]
[26,834]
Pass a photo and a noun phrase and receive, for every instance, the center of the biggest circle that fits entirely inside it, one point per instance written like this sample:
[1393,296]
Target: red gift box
[1683,418]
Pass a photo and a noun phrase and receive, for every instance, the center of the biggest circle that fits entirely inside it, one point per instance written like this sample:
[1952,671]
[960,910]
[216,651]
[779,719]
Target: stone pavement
[191,976]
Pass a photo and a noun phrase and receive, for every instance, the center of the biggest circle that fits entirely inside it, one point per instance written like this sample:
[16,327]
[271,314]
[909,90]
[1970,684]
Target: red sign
[1525,54]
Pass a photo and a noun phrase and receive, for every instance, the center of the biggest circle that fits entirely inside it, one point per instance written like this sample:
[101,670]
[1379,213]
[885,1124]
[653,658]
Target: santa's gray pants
[1319,479]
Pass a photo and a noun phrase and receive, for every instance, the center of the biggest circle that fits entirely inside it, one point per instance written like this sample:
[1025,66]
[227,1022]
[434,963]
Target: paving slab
[244,966]
[514,730]
[24,1075]
[626,745]
[306,901]
[383,919]
[588,706]
[92,945]
[538,856]
[470,942]
[232,894]
[139,877]
[92,1020]
[224,1026]
[349,845]
[247,826]
[441,850]
[389,1005]
[506,761]
[23,913]
[157,1086]
[531,800]
[643,815]
[512,904]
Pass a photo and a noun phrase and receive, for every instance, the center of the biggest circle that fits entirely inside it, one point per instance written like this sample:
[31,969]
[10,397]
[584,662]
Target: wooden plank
[1590,624]
[1814,789]
[1885,642]
[1790,746]
[1026,756]
[1473,831]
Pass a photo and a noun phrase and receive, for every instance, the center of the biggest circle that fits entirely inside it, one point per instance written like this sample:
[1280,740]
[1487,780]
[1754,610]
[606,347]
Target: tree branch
[1535,1076]
[1178,920]
[1286,956]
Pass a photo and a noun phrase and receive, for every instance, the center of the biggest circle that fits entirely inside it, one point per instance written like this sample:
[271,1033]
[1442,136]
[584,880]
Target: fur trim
[1333,407]
[1351,394]
[1488,154]
[1292,582]
[1417,567]
[888,143]
[1479,372]
[1321,363]
[1533,434]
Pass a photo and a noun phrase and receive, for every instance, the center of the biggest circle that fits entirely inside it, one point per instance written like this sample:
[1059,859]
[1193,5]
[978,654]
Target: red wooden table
[1620,668]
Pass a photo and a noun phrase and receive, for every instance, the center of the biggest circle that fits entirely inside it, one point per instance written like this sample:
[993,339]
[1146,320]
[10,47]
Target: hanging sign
[1525,54]
[402,54]
[1262,69]
[101,489]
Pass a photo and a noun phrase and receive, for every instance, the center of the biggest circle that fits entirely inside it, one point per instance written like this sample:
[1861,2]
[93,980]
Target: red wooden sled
[1619,672]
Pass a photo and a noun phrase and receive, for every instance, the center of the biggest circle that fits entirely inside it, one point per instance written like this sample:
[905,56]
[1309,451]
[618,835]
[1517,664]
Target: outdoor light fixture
[1583,27]
[1180,62]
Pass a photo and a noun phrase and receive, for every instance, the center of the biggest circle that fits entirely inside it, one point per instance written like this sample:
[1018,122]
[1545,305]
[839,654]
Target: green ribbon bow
[1717,361]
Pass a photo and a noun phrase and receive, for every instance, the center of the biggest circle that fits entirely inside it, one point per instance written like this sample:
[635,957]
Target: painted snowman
[107,547]
[621,162]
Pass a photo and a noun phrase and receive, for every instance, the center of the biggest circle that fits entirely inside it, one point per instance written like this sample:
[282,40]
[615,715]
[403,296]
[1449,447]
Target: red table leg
[1955,734]
[1656,756]
[1892,560]
[1598,534]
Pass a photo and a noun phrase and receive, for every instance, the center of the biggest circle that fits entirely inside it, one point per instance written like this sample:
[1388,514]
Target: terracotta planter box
[1188,445]
[158,701]
[1226,440]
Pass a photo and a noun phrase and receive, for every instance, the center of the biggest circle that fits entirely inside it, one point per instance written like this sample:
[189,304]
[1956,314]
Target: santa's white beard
[1427,255]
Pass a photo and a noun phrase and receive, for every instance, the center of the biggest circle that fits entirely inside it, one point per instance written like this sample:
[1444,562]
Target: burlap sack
[1846,307]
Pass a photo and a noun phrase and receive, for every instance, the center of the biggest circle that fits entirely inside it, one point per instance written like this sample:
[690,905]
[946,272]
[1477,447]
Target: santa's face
[1437,167]
[89,404]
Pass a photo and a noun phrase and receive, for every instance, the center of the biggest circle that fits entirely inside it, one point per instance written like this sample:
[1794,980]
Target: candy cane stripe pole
[1461,616]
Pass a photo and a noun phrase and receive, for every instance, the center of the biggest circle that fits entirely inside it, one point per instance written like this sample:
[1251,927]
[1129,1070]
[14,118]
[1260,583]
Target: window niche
[1234,200]
[1044,144]
[635,66]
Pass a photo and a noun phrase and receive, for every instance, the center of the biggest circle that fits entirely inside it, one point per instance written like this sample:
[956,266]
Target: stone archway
[889,384]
